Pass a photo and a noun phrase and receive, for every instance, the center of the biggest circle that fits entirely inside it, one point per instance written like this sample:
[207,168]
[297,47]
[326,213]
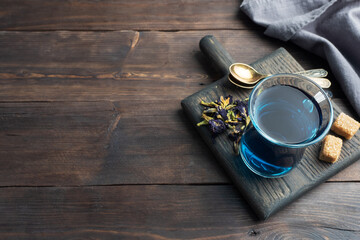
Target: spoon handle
[314,73]
[323,82]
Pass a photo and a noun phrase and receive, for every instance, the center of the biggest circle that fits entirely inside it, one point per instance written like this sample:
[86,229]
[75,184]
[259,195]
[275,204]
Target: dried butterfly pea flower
[241,109]
[210,110]
[225,114]
[205,121]
[222,113]
[223,102]
[236,135]
[217,126]
[210,104]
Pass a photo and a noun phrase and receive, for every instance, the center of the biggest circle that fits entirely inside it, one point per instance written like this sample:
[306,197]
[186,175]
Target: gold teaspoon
[245,75]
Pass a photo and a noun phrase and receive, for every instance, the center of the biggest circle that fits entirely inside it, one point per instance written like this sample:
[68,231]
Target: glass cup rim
[290,145]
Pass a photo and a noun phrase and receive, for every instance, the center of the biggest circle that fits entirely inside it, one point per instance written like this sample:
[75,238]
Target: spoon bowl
[240,84]
[245,73]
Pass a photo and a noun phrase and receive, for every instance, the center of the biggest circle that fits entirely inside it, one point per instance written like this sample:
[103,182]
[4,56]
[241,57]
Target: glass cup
[288,112]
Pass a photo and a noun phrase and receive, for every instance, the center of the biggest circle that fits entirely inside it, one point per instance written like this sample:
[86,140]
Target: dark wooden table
[94,144]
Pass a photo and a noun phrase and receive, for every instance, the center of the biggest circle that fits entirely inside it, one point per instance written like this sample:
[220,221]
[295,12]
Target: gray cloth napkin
[328,28]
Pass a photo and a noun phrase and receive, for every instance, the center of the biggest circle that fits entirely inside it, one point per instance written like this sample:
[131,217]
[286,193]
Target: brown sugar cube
[345,126]
[330,149]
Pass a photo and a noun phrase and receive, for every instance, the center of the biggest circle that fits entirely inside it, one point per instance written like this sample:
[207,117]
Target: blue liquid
[286,115]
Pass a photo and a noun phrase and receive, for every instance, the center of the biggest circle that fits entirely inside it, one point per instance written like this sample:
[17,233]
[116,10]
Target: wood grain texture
[122,15]
[97,143]
[54,84]
[93,107]
[125,65]
[173,212]
[91,143]
[53,143]
[266,196]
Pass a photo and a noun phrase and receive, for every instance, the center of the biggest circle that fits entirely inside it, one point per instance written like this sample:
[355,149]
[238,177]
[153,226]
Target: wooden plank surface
[98,105]
[122,15]
[54,84]
[149,71]
[89,66]
[88,143]
[173,212]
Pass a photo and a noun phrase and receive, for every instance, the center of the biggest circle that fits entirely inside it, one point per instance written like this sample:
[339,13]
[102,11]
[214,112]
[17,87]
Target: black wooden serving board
[265,196]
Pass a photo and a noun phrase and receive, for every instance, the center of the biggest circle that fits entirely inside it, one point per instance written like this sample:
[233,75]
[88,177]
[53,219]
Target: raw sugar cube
[330,149]
[345,126]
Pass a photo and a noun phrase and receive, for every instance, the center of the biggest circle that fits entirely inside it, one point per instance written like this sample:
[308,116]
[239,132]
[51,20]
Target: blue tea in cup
[288,113]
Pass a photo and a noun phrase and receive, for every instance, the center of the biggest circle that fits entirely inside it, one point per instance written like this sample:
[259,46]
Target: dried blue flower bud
[217,126]
[224,102]
[241,109]
[230,99]
[222,112]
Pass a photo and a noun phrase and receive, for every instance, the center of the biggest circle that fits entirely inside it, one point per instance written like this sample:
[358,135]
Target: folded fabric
[328,28]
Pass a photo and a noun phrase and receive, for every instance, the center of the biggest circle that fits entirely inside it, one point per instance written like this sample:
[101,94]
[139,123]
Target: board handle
[216,54]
